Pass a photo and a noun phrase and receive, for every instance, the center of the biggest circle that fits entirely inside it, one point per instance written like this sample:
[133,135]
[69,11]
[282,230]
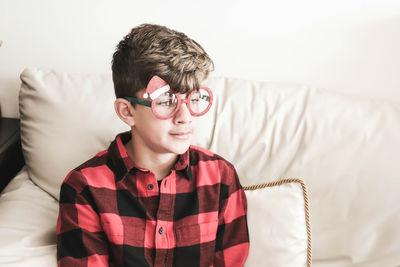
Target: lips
[181,135]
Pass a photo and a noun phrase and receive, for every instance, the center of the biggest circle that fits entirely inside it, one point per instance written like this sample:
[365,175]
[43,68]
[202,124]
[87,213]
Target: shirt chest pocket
[124,234]
[189,235]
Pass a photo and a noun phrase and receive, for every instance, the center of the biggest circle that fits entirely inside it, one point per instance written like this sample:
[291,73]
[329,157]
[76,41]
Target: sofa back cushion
[65,120]
[279,227]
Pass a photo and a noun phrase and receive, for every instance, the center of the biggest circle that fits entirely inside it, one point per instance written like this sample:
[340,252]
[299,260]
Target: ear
[125,111]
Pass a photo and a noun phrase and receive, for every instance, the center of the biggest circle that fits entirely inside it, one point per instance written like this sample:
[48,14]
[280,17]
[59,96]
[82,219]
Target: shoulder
[202,154]
[100,159]
[215,164]
[95,171]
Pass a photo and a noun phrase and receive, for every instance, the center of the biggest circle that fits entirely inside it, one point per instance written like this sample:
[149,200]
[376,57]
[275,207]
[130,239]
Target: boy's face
[173,135]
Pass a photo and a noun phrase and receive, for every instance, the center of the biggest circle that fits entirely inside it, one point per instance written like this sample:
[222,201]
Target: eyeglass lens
[167,103]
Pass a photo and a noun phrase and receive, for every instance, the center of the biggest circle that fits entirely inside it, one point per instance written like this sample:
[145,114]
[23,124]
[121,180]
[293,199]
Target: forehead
[182,92]
[181,89]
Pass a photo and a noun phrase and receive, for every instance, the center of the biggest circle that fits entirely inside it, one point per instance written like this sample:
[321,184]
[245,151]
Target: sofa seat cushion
[27,224]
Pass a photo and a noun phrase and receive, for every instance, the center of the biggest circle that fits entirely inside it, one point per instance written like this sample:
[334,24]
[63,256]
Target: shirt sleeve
[80,238]
[232,246]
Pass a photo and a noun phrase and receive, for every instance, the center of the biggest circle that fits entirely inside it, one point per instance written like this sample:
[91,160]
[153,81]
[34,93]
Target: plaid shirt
[113,213]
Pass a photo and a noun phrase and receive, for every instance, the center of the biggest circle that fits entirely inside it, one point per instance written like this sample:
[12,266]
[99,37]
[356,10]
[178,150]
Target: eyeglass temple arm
[205,97]
[142,102]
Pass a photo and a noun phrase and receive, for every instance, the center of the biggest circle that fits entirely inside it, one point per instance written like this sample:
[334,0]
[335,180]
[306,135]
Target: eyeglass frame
[151,103]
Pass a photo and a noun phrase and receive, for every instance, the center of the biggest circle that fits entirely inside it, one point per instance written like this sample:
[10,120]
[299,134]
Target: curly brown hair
[150,50]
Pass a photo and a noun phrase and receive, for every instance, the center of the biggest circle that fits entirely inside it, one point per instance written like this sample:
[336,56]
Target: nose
[183,115]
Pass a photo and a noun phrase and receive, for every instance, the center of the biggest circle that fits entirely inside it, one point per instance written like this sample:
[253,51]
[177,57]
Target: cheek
[194,122]
[143,115]
[158,127]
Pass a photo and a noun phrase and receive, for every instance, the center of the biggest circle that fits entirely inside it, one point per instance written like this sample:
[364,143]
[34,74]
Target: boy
[152,199]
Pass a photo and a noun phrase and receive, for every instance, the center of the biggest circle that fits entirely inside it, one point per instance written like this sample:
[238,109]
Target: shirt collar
[123,164]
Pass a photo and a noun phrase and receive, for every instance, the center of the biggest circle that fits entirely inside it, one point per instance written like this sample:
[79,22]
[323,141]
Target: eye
[166,100]
[195,97]
[195,100]
[166,103]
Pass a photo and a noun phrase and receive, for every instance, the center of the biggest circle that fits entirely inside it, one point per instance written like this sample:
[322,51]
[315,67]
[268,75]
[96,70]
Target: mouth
[181,135]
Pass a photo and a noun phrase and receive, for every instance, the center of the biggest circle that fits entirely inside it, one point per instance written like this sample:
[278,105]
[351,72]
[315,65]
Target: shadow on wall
[359,58]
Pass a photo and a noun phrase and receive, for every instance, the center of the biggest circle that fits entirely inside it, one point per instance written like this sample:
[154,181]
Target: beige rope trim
[306,206]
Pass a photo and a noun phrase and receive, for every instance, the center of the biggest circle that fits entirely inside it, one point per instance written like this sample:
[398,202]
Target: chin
[180,148]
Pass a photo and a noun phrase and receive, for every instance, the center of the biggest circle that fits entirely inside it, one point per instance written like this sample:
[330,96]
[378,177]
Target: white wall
[350,46]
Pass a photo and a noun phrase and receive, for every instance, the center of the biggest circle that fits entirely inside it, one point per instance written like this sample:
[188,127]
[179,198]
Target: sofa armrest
[11,158]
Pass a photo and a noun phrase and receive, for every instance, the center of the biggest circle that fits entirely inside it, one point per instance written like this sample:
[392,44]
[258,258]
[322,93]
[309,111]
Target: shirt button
[161,230]
[150,186]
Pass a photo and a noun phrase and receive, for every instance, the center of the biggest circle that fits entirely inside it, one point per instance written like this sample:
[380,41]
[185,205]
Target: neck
[159,163]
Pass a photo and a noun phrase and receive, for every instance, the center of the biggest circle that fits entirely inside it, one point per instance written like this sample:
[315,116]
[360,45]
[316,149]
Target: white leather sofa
[320,169]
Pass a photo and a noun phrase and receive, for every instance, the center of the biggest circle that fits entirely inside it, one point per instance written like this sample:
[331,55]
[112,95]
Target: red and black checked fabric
[113,213]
